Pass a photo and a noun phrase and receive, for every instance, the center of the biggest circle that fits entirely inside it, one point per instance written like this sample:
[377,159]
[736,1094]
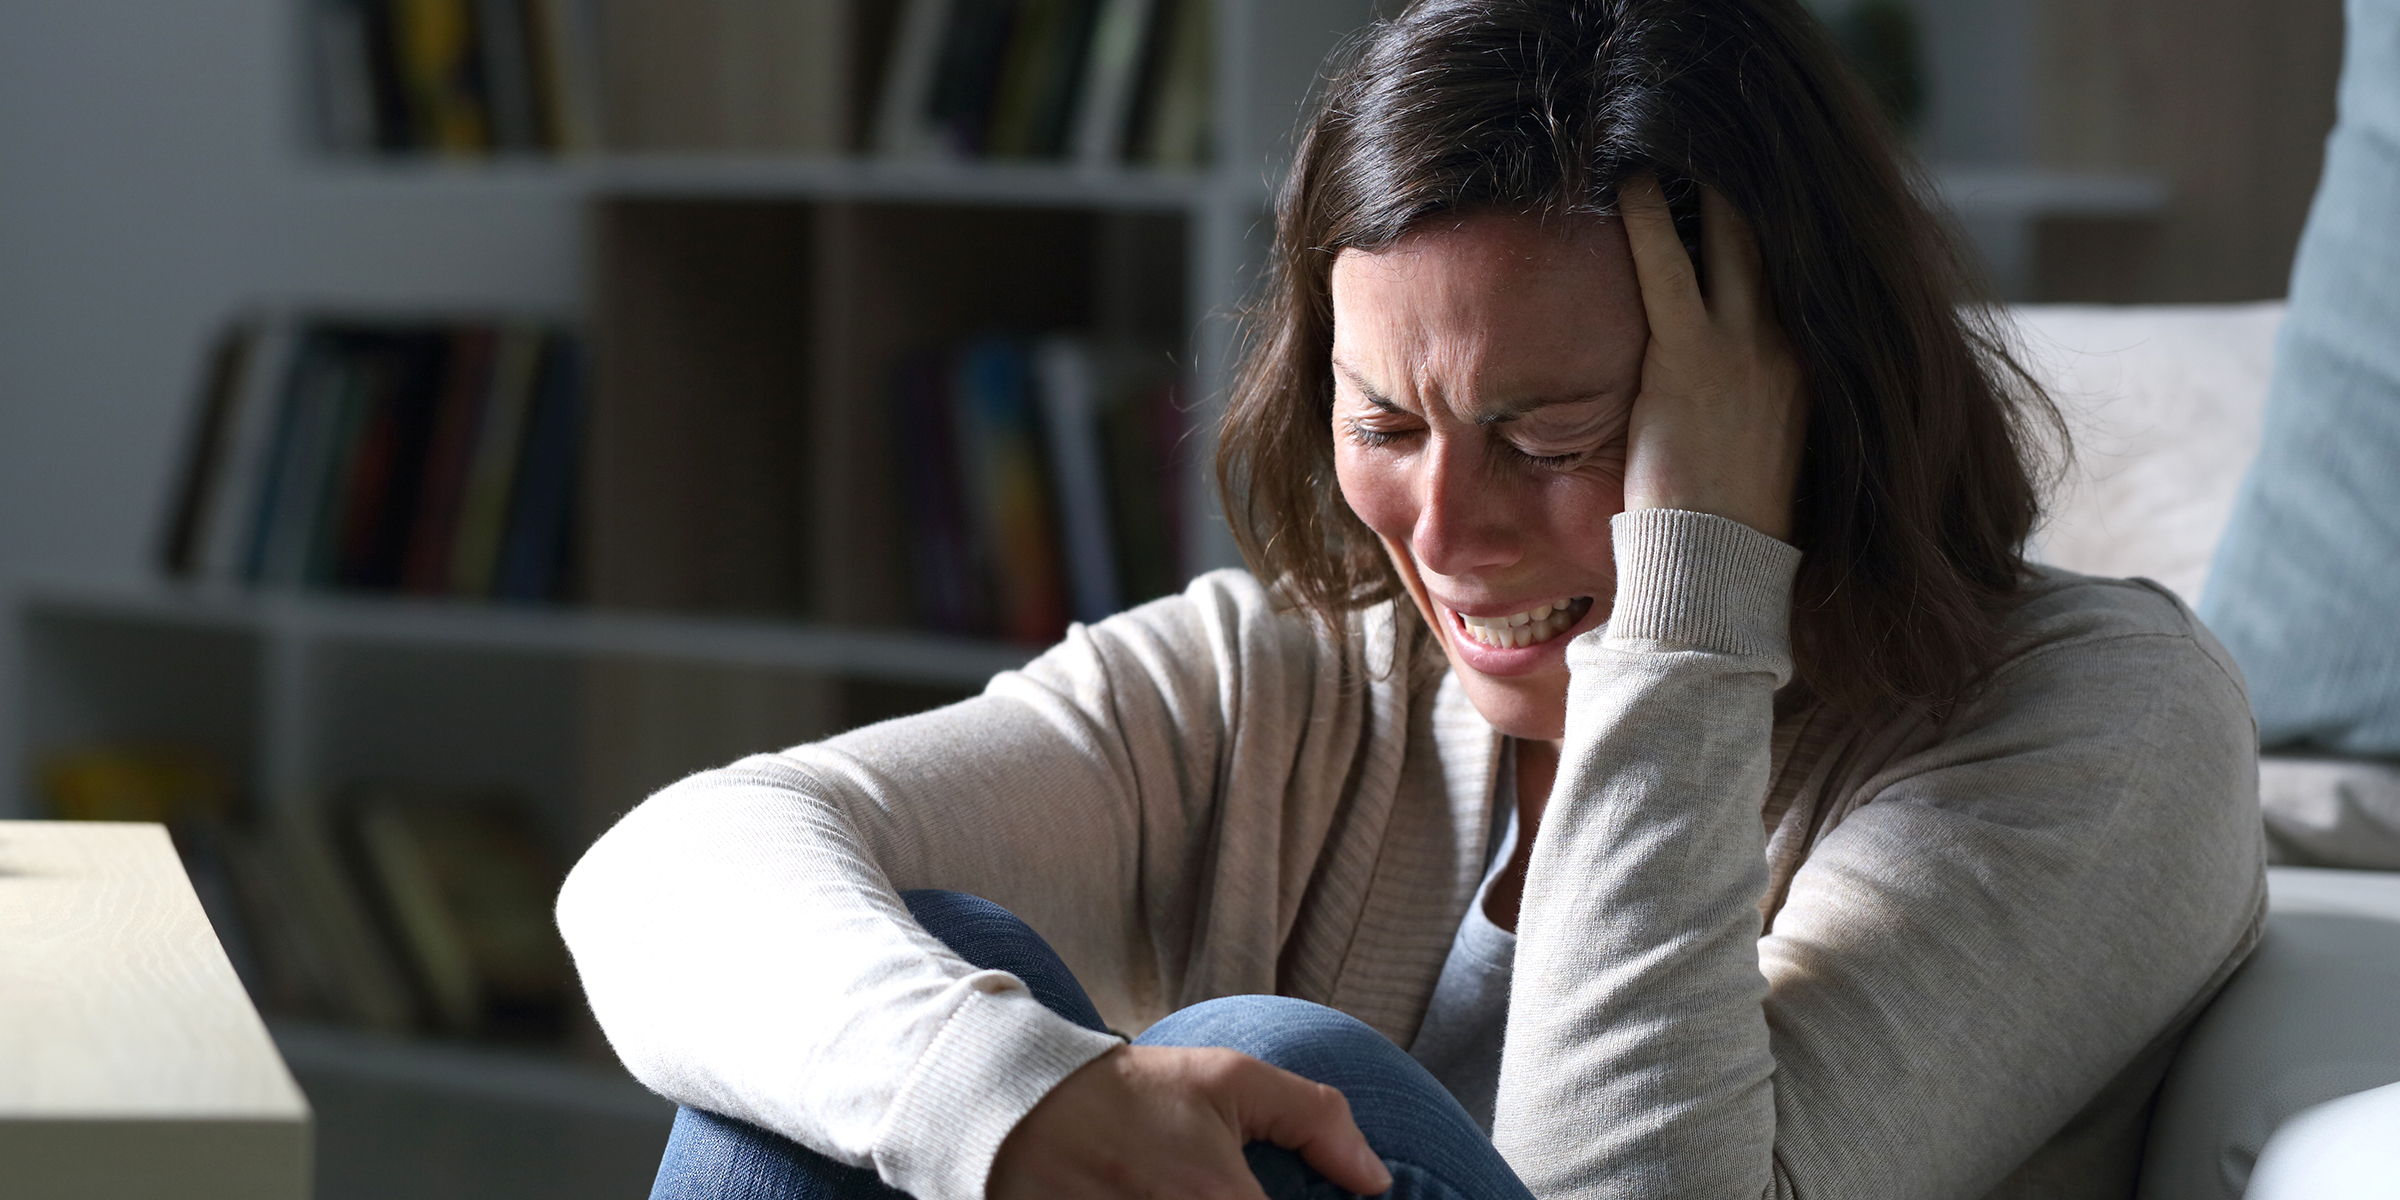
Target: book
[1172,130]
[382,455]
[436,59]
[466,888]
[491,469]
[136,783]
[1141,432]
[284,524]
[566,52]
[1111,83]
[903,124]
[1033,102]
[385,471]
[201,476]
[369,376]
[975,49]
[948,593]
[397,123]
[1067,381]
[226,521]
[1008,491]
[534,548]
[505,54]
[363,979]
[783,76]
[341,49]
[466,384]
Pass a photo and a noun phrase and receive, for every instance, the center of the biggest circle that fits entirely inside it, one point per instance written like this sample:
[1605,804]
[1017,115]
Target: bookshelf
[735,586]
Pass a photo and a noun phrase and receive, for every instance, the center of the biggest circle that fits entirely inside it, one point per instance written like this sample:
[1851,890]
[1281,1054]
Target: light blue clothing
[2305,579]
[1460,1039]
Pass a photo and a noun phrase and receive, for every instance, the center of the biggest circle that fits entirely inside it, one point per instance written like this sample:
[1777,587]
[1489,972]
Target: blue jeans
[1432,1147]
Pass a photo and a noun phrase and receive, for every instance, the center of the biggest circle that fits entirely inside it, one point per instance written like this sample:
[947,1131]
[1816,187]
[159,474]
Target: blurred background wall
[2229,101]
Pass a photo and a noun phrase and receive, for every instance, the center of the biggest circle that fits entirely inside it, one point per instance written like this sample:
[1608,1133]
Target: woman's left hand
[1719,422]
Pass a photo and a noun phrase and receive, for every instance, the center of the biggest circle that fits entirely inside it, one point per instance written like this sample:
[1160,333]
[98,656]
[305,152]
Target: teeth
[1531,627]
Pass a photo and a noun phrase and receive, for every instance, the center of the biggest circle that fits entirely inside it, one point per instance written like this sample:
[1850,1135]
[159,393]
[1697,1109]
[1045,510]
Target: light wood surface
[131,1061]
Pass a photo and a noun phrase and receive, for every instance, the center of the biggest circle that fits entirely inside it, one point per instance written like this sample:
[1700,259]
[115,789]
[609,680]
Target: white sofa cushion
[2347,1149]
[2308,1020]
[2163,404]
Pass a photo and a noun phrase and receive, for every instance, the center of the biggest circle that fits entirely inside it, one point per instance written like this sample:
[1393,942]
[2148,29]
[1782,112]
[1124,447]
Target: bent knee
[1296,1035]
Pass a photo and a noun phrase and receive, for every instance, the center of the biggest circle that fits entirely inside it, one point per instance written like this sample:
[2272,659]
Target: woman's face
[1483,374]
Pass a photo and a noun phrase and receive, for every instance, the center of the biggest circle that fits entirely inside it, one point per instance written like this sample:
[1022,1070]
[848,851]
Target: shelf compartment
[888,656]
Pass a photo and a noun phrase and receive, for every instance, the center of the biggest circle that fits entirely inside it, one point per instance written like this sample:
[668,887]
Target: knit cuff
[996,1057]
[1700,582]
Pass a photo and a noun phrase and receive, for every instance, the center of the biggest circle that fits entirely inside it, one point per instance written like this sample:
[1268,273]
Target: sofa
[2166,406]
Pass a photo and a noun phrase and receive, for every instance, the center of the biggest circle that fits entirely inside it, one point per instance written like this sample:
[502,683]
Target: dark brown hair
[1916,491]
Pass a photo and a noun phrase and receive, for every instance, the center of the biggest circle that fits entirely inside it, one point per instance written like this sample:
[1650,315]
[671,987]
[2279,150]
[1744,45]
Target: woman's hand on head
[1719,422]
[1143,1121]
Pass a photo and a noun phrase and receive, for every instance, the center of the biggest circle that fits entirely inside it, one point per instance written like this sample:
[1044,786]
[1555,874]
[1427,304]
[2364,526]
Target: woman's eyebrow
[1367,390]
[1501,414]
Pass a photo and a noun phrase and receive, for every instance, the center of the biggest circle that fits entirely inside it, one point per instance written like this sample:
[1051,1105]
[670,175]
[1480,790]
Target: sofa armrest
[2306,1021]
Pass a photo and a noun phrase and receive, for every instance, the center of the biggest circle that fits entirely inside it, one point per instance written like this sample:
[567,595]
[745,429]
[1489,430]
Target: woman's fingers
[1172,1121]
[1670,292]
[1730,253]
[1719,424]
[1309,1118]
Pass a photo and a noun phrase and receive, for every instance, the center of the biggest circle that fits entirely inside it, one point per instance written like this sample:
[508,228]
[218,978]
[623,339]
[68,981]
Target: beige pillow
[2163,404]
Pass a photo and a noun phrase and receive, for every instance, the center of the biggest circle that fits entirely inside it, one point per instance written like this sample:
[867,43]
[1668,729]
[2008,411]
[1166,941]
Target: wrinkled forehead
[1489,309]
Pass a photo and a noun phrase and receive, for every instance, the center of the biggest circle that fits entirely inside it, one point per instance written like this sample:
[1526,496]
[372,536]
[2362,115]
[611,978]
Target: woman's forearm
[1637,1058]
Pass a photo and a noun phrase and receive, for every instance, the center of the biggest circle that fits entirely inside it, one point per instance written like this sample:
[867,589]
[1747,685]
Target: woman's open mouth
[1529,628]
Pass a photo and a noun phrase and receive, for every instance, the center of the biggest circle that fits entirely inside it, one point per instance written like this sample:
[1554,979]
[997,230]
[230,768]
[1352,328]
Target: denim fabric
[1433,1148]
[2303,584]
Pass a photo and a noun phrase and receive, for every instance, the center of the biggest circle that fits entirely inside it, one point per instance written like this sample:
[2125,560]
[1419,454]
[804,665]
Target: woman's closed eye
[1375,432]
[1564,436]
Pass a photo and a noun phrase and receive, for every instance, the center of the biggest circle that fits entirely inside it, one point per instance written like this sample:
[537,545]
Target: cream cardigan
[1981,944]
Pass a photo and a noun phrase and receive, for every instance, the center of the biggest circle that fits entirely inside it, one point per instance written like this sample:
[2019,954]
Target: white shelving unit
[273,680]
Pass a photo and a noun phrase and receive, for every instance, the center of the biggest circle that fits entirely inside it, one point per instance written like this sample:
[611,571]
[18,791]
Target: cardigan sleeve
[1965,962]
[741,937]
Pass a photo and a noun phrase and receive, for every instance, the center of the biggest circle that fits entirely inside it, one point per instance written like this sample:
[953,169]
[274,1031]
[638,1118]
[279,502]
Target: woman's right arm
[742,940]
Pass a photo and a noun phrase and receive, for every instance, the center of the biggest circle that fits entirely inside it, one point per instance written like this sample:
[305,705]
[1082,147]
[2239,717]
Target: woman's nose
[1463,524]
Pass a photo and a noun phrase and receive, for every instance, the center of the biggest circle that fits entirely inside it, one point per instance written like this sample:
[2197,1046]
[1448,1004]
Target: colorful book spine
[435,459]
[386,475]
[903,118]
[436,44]
[467,383]
[1112,81]
[950,596]
[534,552]
[1009,490]
[202,475]
[504,60]
[245,456]
[1067,380]
[565,49]
[491,471]
[285,519]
